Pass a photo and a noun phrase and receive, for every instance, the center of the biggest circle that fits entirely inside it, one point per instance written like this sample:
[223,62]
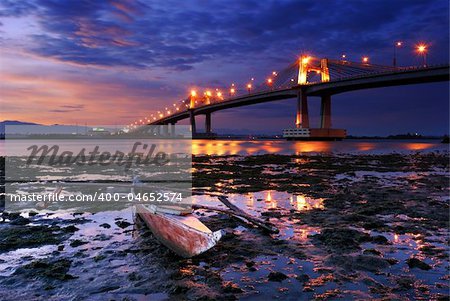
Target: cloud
[131,33]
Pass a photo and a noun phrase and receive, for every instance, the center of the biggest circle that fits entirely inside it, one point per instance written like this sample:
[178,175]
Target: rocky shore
[351,227]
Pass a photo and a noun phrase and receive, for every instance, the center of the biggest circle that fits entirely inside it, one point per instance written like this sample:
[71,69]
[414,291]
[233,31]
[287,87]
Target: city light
[219,94]
[208,93]
[365,59]
[397,44]
[269,81]
[249,87]
[232,91]
[305,60]
[422,49]
[193,93]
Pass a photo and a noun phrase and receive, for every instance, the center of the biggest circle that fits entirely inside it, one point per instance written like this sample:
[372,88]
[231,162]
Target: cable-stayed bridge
[306,77]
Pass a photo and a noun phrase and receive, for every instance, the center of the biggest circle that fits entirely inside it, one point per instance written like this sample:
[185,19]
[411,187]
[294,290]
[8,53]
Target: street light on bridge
[422,49]
[365,59]
[397,44]
[249,87]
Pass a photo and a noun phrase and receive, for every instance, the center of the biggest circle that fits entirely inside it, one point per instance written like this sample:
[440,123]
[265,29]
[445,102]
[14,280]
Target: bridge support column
[208,123]
[325,112]
[166,129]
[172,129]
[302,120]
[192,119]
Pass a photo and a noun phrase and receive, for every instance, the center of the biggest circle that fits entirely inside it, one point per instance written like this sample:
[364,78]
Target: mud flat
[352,227]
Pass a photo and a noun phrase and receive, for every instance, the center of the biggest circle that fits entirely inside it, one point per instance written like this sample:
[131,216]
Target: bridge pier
[172,129]
[208,123]
[325,112]
[166,129]
[192,119]
[302,120]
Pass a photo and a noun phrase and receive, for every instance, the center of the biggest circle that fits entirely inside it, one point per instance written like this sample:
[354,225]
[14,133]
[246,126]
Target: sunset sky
[112,62]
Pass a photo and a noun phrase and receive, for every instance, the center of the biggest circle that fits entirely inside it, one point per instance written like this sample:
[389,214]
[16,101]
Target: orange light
[168,112]
[193,93]
[365,59]
[249,86]
[161,115]
[219,94]
[232,90]
[305,60]
[208,93]
[421,48]
[269,81]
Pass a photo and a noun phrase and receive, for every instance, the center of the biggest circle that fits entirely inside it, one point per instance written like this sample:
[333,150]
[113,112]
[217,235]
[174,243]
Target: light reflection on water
[254,147]
[257,202]
[240,147]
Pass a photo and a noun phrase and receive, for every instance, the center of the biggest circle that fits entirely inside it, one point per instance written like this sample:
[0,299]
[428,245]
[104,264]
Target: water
[255,147]
[237,147]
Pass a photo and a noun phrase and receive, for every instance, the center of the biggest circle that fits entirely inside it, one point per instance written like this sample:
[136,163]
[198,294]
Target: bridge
[306,77]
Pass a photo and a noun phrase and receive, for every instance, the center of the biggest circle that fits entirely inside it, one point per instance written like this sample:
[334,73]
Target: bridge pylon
[305,66]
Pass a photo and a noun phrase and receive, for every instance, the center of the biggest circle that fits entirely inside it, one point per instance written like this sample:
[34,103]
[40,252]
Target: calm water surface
[255,147]
[226,147]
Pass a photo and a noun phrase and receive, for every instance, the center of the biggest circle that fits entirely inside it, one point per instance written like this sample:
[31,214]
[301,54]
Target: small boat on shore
[177,229]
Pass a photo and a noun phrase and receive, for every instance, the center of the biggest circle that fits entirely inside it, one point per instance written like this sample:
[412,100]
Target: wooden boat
[178,229]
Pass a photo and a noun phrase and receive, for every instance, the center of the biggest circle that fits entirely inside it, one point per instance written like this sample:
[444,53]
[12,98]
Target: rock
[380,239]
[372,252]
[122,224]
[230,287]
[27,237]
[417,263]
[272,213]
[342,239]
[55,269]
[405,283]
[77,243]
[249,263]
[105,225]
[370,263]
[360,262]
[303,278]
[60,248]
[20,221]
[70,229]
[99,257]
[276,276]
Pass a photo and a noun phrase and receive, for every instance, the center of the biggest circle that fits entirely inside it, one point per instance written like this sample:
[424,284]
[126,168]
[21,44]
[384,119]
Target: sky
[116,61]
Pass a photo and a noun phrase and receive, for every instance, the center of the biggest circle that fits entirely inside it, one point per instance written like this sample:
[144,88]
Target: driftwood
[237,212]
